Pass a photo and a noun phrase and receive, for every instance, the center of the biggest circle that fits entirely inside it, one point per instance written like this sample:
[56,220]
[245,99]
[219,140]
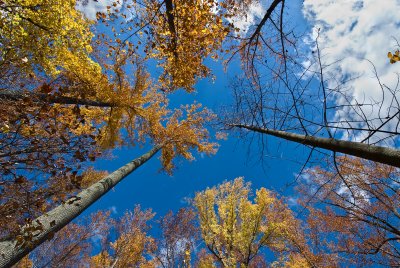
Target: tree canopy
[78,89]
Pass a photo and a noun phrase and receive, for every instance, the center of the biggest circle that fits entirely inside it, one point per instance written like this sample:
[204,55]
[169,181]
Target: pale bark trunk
[379,154]
[19,95]
[11,252]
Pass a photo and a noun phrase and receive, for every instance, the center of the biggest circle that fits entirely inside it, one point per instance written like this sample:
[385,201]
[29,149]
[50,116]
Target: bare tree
[294,96]
[178,238]
[354,212]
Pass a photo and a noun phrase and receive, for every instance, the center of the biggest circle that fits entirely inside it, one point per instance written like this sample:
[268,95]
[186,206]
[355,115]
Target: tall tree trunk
[11,251]
[171,25]
[379,154]
[19,95]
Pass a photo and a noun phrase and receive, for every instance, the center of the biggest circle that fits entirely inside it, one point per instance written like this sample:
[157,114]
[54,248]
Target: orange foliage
[182,34]
[358,206]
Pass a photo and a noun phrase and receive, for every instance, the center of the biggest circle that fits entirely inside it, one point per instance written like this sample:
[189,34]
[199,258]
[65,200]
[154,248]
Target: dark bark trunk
[170,16]
[19,95]
[171,24]
[12,251]
[267,16]
[379,154]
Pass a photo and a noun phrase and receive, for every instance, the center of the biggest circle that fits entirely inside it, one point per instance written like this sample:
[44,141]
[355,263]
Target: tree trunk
[379,154]
[170,17]
[19,95]
[171,25]
[11,251]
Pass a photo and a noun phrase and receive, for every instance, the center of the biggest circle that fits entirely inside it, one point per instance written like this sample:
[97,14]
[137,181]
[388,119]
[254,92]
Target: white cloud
[91,7]
[355,196]
[255,12]
[304,176]
[293,201]
[178,248]
[357,33]
[113,210]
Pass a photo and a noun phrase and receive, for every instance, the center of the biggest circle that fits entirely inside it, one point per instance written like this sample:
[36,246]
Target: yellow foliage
[394,57]
[182,38]
[206,261]
[100,260]
[292,261]
[132,244]
[234,228]
[136,103]
[181,131]
[46,35]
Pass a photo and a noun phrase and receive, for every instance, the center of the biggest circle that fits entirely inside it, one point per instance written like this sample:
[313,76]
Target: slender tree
[44,227]
[171,133]
[48,137]
[287,91]
[44,44]
[236,226]
[74,243]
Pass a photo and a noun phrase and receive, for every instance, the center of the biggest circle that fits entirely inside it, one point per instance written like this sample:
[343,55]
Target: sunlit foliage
[235,229]
[132,244]
[183,34]
[45,36]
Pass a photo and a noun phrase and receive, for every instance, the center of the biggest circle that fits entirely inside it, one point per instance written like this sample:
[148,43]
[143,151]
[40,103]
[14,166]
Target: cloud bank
[359,34]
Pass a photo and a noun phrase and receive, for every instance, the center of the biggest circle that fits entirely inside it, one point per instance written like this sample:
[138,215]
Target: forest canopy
[299,97]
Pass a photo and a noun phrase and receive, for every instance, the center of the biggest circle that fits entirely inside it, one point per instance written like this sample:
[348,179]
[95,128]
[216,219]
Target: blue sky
[352,30]
[236,157]
[151,188]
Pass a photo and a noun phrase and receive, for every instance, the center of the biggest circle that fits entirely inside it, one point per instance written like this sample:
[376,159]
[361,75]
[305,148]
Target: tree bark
[19,95]
[267,16]
[171,25]
[379,154]
[13,250]
[170,16]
